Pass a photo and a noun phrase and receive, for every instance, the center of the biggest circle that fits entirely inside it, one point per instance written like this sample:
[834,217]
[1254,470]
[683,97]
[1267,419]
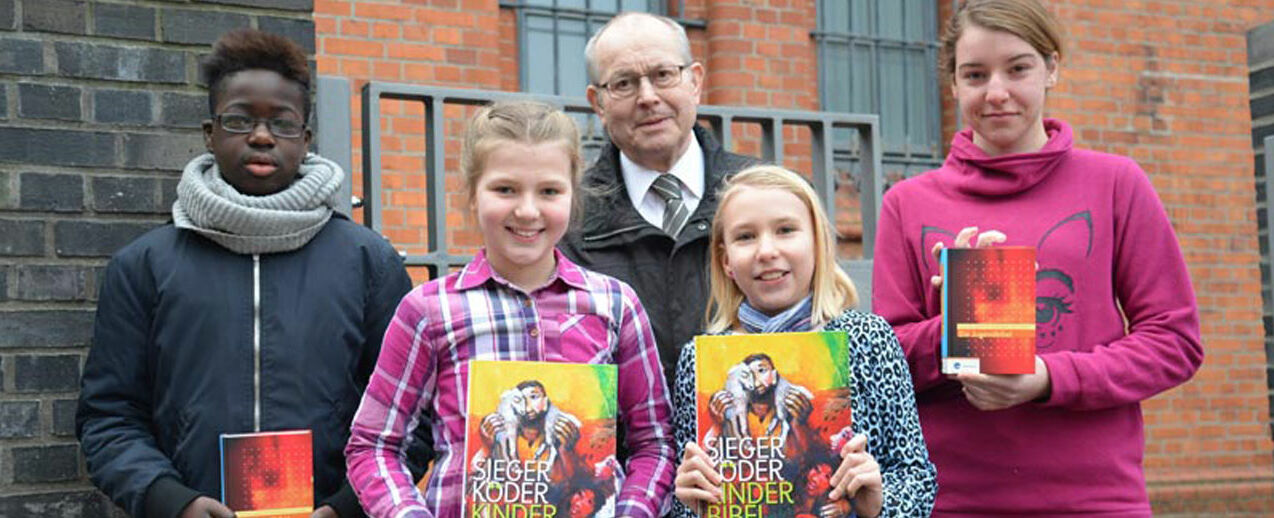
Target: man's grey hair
[590,49]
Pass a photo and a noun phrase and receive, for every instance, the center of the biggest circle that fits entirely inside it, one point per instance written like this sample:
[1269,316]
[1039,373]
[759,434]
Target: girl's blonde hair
[833,290]
[522,122]
[1026,19]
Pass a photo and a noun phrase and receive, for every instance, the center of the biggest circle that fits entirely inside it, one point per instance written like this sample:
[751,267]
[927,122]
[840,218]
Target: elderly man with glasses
[652,192]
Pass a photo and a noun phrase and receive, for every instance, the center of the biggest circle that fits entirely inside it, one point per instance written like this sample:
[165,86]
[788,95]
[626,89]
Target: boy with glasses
[257,309]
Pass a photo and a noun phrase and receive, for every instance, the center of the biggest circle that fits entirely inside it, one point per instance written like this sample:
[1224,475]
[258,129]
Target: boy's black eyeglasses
[278,126]
[626,85]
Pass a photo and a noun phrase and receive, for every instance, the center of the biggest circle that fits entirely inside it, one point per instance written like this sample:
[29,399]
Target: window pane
[913,16]
[570,49]
[863,68]
[553,39]
[539,41]
[860,18]
[862,77]
[919,86]
[889,15]
[836,68]
[835,18]
[893,88]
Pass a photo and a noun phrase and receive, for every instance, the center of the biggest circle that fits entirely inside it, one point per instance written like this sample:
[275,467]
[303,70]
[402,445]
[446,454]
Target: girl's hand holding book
[963,240]
[1001,391]
[836,509]
[858,478]
[206,507]
[697,482]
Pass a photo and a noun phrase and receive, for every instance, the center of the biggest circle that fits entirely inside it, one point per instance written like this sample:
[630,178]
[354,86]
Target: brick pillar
[1260,44]
[760,54]
[100,108]
[426,42]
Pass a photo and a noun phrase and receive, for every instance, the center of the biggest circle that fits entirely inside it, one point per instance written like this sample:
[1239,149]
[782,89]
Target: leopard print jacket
[884,408]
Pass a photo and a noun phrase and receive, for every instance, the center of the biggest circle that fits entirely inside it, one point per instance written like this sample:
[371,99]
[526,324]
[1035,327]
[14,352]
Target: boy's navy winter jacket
[192,341]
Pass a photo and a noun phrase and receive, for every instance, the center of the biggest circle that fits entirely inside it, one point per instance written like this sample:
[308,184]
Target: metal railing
[335,132]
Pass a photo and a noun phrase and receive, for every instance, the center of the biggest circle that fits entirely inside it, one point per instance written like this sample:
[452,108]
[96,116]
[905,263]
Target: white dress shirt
[688,170]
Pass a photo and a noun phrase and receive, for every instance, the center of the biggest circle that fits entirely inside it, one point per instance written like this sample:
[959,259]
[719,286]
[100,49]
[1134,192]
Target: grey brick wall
[1260,46]
[100,106]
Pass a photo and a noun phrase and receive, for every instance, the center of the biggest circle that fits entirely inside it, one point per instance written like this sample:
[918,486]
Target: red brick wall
[1166,84]
[100,110]
[760,55]
[1163,82]
[452,43]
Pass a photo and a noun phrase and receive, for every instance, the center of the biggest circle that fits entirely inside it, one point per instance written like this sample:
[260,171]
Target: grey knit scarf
[278,222]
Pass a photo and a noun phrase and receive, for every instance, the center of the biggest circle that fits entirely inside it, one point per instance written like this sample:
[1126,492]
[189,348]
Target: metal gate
[334,137]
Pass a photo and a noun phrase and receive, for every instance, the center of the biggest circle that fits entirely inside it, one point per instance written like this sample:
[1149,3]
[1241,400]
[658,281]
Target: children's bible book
[988,310]
[773,411]
[268,473]
[540,440]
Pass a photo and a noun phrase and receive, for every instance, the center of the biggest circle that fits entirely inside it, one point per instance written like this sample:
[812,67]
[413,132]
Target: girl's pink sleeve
[899,288]
[645,414]
[402,383]
[1162,348]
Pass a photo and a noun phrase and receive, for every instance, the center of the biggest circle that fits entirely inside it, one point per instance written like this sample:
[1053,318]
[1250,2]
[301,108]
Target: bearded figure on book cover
[527,426]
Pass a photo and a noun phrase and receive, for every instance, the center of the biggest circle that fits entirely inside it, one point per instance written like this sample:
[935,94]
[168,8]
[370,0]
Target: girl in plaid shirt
[519,299]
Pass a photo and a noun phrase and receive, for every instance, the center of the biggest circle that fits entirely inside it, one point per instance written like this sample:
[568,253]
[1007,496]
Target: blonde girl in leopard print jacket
[774,270]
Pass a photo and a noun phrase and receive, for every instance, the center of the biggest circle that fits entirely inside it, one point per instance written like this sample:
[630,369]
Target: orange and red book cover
[773,411]
[268,473]
[988,310]
[540,440]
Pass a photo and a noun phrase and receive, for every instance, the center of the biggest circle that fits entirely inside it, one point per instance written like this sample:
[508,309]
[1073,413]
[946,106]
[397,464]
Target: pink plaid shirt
[579,317]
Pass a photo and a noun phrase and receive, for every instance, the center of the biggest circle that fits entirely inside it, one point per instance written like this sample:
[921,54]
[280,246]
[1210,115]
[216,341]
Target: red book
[988,310]
[268,473]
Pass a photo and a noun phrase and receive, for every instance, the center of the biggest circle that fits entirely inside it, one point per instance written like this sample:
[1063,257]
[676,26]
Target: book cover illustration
[268,473]
[988,310]
[773,411]
[540,440]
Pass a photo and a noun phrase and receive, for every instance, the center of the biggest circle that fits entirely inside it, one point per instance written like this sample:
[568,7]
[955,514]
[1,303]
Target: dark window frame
[593,18]
[836,94]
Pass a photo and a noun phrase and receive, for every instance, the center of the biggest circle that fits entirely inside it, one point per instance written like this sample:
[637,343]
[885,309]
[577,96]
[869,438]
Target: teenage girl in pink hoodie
[1068,439]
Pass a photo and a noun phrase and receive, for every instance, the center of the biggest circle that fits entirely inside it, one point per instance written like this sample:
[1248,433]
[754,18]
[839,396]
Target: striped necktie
[675,212]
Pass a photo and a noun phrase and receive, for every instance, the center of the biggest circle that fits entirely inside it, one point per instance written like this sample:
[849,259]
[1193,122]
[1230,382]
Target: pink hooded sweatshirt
[1104,243]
